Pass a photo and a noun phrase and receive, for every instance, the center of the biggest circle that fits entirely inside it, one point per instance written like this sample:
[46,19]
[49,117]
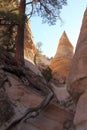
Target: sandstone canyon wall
[77,82]
[24,100]
[61,62]
[29,46]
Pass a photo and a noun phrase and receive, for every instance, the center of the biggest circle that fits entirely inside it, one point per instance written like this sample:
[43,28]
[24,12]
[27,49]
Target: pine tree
[20,35]
[12,12]
[7,23]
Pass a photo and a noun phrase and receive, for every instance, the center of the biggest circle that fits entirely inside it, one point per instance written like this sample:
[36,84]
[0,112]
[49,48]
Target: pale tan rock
[32,67]
[61,62]
[29,46]
[80,119]
[30,50]
[52,118]
[65,48]
[77,82]
[60,92]
[82,126]
[21,99]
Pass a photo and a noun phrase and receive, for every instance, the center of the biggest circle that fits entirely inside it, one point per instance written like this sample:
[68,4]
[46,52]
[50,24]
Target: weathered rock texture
[29,46]
[52,118]
[77,78]
[61,62]
[77,82]
[24,94]
[16,100]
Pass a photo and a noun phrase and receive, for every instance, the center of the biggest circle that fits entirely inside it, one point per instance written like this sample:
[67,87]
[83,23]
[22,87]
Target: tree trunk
[19,55]
[35,59]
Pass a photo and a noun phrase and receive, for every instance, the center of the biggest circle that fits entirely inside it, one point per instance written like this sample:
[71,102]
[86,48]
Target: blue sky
[72,16]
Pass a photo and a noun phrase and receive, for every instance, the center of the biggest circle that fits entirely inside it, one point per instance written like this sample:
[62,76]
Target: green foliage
[48,10]
[9,38]
[8,31]
[7,4]
[13,17]
[38,53]
[47,73]
[38,48]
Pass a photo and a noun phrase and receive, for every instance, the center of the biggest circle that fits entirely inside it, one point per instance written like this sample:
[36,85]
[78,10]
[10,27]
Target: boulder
[61,62]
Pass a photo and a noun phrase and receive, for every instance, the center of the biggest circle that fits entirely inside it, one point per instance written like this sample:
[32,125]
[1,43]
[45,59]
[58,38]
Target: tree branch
[36,111]
[32,112]
[30,77]
[29,3]
[31,12]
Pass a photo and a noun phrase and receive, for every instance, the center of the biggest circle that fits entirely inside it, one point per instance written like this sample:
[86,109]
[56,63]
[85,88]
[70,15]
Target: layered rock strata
[77,82]
[78,73]
[61,62]
[29,46]
[24,95]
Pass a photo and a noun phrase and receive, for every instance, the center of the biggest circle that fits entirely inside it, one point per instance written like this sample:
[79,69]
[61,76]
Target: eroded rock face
[77,78]
[61,62]
[15,99]
[19,100]
[80,119]
[29,46]
[77,82]
[6,108]
[52,118]
[65,48]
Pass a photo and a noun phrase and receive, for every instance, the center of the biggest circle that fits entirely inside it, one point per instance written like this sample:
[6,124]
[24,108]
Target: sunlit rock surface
[61,62]
[29,46]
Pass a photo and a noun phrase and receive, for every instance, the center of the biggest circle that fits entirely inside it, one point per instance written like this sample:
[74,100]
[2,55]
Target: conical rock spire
[65,48]
[62,60]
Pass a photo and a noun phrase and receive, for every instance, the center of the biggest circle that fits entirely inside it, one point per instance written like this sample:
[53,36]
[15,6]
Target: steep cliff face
[61,62]
[77,82]
[29,46]
[78,72]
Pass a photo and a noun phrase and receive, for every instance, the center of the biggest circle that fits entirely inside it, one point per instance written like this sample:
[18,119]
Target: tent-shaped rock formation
[61,62]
